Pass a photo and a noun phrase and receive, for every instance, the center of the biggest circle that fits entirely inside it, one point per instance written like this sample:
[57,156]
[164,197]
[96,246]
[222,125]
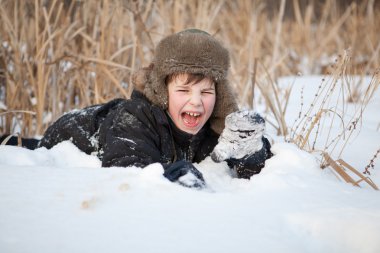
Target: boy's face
[191,105]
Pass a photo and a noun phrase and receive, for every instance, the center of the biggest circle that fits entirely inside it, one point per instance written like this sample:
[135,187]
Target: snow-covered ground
[62,200]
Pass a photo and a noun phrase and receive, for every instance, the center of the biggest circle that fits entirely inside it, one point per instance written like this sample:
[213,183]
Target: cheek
[175,104]
[172,107]
[209,104]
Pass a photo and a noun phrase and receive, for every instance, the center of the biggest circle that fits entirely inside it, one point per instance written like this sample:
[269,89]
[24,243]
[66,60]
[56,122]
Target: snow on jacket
[138,131]
[130,132]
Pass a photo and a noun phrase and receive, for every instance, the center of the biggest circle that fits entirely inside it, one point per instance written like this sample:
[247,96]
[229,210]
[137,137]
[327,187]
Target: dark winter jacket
[138,132]
[135,132]
[130,132]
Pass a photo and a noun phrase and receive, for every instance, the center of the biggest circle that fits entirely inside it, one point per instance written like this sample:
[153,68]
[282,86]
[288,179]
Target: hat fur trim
[189,52]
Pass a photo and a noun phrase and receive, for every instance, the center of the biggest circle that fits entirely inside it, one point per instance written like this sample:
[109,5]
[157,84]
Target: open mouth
[191,119]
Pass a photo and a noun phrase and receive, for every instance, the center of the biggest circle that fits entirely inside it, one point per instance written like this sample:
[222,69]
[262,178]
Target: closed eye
[208,91]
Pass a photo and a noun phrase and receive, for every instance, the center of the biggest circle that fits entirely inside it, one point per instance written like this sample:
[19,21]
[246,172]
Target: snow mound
[66,154]
[62,200]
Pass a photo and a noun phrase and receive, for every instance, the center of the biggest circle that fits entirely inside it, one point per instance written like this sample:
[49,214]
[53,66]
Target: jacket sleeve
[79,126]
[131,136]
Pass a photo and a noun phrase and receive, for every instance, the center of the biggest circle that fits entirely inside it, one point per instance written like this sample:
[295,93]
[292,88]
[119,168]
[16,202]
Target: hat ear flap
[224,105]
[146,81]
[155,88]
[141,77]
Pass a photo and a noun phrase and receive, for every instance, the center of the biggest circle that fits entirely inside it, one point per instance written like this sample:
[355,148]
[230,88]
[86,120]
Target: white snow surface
[62,200]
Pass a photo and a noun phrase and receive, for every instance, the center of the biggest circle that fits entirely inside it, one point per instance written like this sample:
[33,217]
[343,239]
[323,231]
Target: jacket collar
[184,139]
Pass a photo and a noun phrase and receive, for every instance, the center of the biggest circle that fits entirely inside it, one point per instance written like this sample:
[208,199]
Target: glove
[185,174]
[248,166]
[241,137]
[242,144]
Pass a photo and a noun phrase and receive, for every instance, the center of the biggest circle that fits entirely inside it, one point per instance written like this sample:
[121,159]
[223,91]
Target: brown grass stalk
[59,55]
[340,167]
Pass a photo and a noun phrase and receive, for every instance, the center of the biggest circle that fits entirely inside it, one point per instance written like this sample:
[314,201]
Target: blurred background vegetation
[59,55]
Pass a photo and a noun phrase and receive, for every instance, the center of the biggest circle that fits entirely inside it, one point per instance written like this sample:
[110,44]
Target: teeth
[193,114]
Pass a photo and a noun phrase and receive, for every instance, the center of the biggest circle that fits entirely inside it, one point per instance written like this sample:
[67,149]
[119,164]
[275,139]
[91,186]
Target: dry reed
[59,55]
[63,54]
[341,168]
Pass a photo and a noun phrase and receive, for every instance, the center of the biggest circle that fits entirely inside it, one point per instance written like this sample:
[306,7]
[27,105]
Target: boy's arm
[129,137]
[138,135]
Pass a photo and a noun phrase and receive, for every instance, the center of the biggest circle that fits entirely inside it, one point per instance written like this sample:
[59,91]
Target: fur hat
[190,51]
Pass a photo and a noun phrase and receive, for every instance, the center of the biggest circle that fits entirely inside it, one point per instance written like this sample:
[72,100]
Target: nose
[196,99]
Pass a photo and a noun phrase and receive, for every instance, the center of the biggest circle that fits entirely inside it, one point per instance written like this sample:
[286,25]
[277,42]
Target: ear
[141,77]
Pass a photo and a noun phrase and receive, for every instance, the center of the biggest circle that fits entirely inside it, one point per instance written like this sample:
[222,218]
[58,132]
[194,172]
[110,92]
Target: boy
[175,115]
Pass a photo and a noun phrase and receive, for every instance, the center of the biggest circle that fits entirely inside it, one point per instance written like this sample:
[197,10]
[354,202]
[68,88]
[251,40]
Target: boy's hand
[242,144]
[250,165]
[185,174]
[241,137]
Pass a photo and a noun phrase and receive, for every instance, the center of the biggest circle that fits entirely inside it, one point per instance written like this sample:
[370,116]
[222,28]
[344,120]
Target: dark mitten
[185,174]
[242,143]
[250,165]
[241,137]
